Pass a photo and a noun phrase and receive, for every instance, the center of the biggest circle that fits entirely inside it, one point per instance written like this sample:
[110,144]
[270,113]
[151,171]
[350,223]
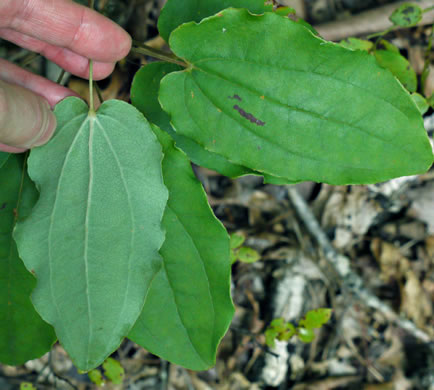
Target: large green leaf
[3,158]
[188,308]
[278,100]
[23,334]
[93,237]
[176,12]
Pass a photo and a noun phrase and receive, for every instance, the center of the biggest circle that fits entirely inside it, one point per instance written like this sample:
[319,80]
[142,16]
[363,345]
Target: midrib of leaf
[277,145]
[91,119]
[129,206]
[242,124]
[266,65]
[206,274]
[304,111]
[76,137]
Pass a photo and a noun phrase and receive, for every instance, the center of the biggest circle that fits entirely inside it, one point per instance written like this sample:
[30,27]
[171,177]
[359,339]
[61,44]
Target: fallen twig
[367,22]
[341,265]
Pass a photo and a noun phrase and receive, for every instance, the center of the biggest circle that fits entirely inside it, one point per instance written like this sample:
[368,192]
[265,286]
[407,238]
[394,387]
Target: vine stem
[91,104]
[155,53]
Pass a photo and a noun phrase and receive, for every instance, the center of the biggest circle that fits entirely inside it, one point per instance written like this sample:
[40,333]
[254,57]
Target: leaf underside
[93,237]
[278,100]
[188,308]
[23,334]
[175,12]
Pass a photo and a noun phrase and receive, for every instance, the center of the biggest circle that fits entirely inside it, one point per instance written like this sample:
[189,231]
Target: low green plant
[108,220]
[113,373]
[241,253]
[27,386]
[284,331]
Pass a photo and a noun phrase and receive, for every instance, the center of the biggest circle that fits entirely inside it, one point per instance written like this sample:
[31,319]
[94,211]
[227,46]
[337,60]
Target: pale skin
[65,33]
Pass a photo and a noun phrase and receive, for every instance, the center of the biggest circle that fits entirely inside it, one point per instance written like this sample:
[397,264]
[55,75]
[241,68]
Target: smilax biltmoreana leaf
[265,93]
[92,239]
[23,334]
[188,308]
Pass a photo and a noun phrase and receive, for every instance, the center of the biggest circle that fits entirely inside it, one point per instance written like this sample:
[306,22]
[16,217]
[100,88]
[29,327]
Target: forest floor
[366,252]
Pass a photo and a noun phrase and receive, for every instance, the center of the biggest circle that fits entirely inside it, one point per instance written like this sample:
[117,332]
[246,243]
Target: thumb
[26,119]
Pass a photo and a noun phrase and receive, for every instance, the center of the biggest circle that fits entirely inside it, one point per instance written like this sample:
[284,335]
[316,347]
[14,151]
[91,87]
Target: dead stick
[368,22]
[341,264]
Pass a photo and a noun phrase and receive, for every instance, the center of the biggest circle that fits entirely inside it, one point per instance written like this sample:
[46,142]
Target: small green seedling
[113,371]
[96,377]
[283,331]
[242,253]
[27,386]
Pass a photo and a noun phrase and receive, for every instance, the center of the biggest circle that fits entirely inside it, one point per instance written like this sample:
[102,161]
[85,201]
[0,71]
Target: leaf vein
[50,228]
[308,112]
[300,71]
[130,207]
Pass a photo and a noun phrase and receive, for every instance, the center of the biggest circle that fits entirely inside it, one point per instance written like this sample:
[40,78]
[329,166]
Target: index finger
[69,25]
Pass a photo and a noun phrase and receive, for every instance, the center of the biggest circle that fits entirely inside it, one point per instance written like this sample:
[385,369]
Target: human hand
[67,34]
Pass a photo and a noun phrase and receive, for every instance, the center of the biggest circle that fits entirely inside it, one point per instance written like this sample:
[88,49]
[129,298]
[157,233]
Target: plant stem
[29,59]
[60,78]
[91,105]
[428,9]
[149,51]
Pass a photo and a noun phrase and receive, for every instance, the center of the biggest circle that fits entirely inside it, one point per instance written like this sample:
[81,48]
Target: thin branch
[341,265]
[60,78]
[91,104]
[368,22]
[155,53]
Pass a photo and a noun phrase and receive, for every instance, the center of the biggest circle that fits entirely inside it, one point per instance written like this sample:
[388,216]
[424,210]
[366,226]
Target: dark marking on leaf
[248,116]
[408,10]
[3,206]
[236,97]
